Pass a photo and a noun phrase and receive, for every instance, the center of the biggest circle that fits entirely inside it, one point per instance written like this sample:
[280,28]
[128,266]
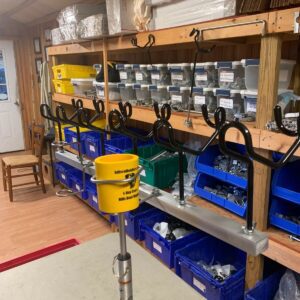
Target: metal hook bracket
[148,45]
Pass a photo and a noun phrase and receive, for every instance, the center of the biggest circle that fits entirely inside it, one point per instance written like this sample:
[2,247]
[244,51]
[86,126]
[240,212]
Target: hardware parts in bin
[231,165]
[294,219]
[289,123]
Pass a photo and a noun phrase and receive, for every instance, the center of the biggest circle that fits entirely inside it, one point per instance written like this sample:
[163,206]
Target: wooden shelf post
[270,54]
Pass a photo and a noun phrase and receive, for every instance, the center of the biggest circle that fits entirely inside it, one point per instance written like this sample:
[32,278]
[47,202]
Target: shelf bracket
[297,22]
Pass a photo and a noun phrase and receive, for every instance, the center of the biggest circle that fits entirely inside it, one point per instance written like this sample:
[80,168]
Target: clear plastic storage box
[114,92]
[127,92]
[160,74]
[231,100]
[82,86]
[127,74]
[181,74]
[143,96]
[159,93]
[250,102]
[231,75]
[142,73]
[179,97]
[204,96]
[206,75]
[252,71]
[97,67]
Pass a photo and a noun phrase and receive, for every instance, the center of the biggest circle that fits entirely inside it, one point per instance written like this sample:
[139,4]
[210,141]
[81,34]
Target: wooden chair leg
[35,175]
[4,176]
[42,178]
[9,180]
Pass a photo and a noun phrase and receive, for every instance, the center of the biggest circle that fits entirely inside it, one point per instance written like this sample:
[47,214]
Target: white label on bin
[126,223]
[123,75]
[138,76]
[201,77]
[226,103]
[226,76]
[101,93]
[251,106]
[78,188]
[157,247]
[92,148]
[283,75]
[155,76]
[177,76]
[59,76]
[199,99]
[95,199]
[176,98]
[74,139]
[143,173]
[63,176]
[59,89]
[199,285]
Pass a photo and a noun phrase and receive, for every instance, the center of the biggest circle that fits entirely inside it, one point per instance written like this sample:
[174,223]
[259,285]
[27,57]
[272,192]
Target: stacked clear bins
[179,96]
[204,96]
[142,93]
[181,74]
[206,75]
[127,92]
[113,94]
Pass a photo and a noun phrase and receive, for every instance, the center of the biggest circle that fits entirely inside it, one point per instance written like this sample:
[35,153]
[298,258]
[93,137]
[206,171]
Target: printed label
[226,103]
[201,77]
[138,76]
[251,106]
[92,148]
[155,76]
[95,199]
[74,139]
[176,98]
[199,285]
[199,100]
[126,223]
[59,76]
[143,173]
[176,76]
[123,75]
[283,75]
[63,176]
[101,93]
[226,76]
[77,187]
[157,247]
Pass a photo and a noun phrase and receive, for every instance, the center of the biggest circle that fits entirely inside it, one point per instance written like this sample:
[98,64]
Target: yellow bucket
[117,197]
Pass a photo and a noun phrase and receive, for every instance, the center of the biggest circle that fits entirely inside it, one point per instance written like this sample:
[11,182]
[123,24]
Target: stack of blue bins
[285,198]
[63,173]
[210,251]
[77,183]
[210,176]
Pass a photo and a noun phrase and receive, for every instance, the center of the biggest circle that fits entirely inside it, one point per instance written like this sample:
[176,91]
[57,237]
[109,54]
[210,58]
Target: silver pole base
[125,277]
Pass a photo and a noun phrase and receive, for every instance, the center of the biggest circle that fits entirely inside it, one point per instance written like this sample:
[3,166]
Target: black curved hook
[281,127]
[164,113]
[99,106]
[196,34]
[219,116]
[148,45]
[125,109]
[46,113]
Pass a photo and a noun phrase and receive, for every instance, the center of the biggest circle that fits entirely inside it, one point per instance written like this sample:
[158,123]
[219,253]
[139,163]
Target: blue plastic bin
[203,180]
[63,173]
[205,164]
[134,218]
[266,289]
[92,144]
[210,249]
[77,183]
[280,206]
[286,184]
[159,246]
[71,137]
[92,196]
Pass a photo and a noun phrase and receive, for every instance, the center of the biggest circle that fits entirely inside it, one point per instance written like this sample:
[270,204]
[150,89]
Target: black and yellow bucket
[117,182]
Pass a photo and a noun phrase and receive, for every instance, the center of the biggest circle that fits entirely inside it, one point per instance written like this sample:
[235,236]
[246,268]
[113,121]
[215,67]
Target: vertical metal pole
[181,178]
[249,216]
[102,141]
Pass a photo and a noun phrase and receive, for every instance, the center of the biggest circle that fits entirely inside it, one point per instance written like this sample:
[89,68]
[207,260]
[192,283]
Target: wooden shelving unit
[269,31]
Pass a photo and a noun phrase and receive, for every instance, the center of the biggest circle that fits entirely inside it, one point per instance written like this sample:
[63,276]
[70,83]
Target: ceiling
[32,11]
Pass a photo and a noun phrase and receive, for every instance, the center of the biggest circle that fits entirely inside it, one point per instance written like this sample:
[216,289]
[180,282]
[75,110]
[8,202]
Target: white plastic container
[231,100]
[181,74]
[204,96]
[179,97]
[143,96]
[127,92]
[159,93]
[142,73]
[82,86]
[206,75]
[114,92]
[252,71]
[250,102]
[160,74]
[231,75]
[127,74]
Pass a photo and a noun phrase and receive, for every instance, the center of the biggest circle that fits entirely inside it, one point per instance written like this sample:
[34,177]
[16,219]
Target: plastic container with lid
[127,92]
[250,101]
[114,92]
[143,96]
[252,70]
[206,75]
[179,97]
[204,96]
[181,74]
[97,67]
[159,93]
[231,75]
[160,74]
[82,86]
[231,100]
[142,73]
[127,74]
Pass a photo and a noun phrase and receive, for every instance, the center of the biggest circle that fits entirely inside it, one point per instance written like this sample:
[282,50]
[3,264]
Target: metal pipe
[123,248]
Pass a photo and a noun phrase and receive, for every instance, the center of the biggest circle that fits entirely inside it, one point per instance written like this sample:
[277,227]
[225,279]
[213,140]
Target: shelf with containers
[276,22]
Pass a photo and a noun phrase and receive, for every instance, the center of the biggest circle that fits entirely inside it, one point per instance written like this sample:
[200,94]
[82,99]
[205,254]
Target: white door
[11,131]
